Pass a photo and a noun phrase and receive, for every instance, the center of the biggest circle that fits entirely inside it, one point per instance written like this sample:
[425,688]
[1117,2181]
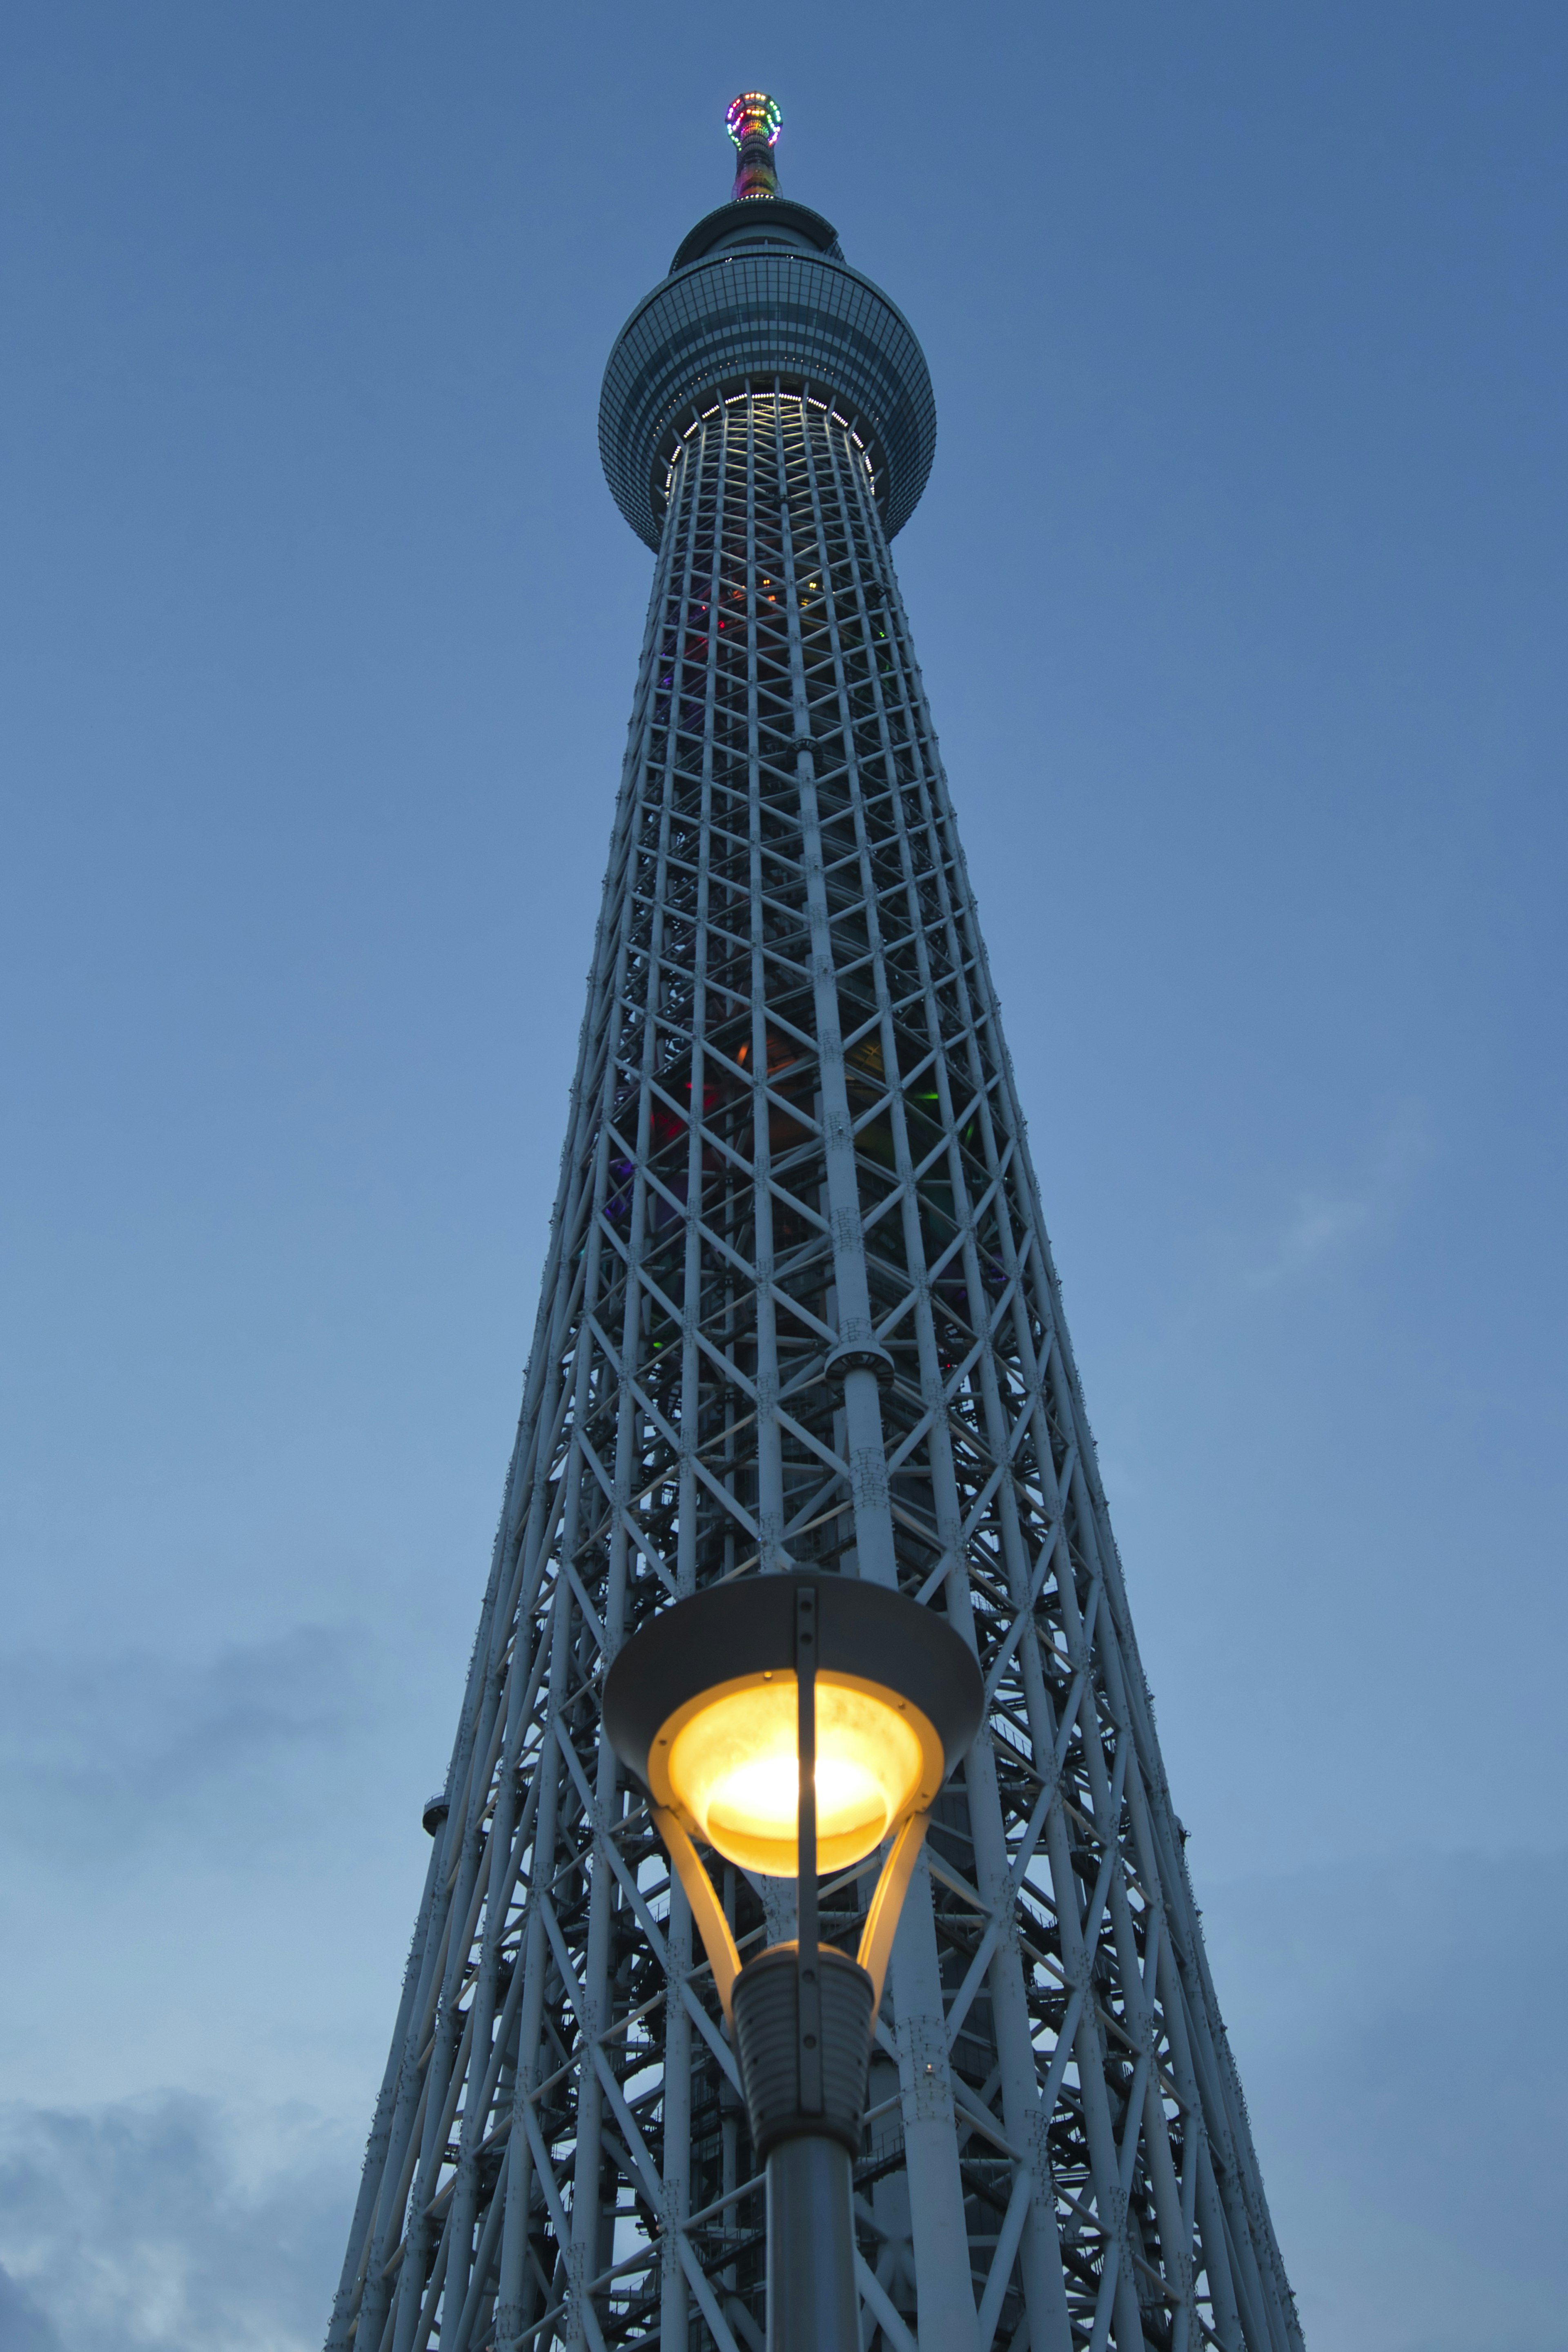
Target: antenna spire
[753,123]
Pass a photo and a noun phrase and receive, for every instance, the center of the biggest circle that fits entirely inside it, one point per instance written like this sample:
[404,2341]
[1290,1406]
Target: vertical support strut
[809,1994]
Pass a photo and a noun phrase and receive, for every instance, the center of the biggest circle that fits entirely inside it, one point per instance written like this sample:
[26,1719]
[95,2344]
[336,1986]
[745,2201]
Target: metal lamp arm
[881,1920]
[714,1929]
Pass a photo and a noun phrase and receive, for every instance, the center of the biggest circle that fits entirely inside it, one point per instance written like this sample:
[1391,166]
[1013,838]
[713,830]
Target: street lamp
[796,1723]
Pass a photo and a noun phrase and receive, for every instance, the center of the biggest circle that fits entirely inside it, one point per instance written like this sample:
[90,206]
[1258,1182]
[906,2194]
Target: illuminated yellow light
[727,1764]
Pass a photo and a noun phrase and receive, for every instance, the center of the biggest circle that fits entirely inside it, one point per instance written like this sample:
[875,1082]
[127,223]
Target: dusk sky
[1239,591]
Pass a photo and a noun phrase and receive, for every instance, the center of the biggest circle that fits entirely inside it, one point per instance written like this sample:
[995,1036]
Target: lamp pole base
[810,2151]
[813,2305]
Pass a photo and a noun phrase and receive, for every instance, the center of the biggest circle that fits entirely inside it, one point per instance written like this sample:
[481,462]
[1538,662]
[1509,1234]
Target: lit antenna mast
[754,121]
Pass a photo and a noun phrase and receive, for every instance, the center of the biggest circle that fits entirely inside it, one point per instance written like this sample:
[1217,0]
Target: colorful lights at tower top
[754,115]
[753,121]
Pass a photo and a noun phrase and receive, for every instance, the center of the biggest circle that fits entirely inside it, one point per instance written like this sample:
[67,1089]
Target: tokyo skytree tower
[800,1312]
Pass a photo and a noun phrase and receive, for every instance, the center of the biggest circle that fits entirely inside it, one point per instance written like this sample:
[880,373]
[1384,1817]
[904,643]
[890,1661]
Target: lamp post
[796,1723]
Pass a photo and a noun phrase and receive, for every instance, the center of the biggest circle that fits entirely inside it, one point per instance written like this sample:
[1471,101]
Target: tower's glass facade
[799,1310]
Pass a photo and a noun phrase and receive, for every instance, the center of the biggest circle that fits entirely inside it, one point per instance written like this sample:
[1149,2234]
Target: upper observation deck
[759,291]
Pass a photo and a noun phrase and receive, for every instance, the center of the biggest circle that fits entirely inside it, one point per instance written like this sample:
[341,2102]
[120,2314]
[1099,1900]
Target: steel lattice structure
[799,1309]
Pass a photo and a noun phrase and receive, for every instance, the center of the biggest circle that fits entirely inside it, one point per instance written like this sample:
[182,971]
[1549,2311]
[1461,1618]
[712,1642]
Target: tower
[799,1310]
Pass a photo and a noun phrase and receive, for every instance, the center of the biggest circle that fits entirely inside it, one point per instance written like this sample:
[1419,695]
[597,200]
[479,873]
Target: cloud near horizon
[1395,2024]
[1408,2087]
[169,2224]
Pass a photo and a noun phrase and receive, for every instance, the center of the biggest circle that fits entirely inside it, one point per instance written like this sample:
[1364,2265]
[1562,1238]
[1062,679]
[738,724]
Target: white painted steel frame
[794,1131]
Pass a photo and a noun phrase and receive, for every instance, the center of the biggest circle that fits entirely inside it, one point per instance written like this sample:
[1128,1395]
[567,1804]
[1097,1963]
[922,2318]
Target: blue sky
[1239,590]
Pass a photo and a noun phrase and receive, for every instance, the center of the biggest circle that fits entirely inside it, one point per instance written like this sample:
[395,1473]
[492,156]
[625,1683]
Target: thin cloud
[1318,1228]
[1322,1225]
[115,1748]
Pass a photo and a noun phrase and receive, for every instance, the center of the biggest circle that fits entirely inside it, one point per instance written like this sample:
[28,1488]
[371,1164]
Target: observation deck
[761,292]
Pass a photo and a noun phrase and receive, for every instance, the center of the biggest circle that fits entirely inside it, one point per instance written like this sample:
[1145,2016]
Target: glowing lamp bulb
[703,1707]
[730,1765]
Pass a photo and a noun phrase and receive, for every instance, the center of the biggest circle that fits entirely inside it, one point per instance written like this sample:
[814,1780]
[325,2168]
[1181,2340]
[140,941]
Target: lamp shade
[702,1703]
